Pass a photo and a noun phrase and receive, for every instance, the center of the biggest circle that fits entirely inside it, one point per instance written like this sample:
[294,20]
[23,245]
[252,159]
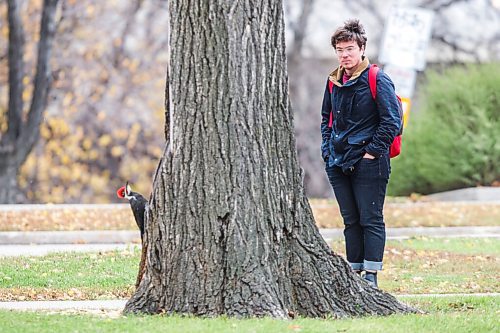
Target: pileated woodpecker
[137,203]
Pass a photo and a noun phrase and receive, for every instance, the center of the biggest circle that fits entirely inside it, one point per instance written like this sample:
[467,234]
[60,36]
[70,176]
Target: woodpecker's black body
[137,203]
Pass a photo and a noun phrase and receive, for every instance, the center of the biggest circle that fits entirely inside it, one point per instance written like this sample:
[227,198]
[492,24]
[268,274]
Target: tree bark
[22,135]
[229,229]
[9,192]
[16,70]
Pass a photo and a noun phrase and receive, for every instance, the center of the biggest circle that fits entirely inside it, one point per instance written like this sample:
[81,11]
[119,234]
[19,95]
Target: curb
[70,237]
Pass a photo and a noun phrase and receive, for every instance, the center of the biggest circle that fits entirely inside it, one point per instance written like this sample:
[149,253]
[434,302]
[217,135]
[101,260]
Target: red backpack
[395,148]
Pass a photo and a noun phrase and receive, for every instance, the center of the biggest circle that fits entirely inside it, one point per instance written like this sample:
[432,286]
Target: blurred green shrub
[454,139]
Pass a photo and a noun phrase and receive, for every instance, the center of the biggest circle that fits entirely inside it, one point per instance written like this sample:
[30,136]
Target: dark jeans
[361,199]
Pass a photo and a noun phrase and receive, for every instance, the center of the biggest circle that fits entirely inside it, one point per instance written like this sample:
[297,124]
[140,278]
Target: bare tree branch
[129,24]
[456,47]
[31,132]
[366,5]
[300,27]
[438,5]
[16,71]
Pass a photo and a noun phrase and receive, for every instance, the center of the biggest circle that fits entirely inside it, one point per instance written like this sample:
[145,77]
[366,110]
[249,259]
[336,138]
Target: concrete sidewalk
[132,236]
[118,305]
[17,250]
[70,237]
[110,305]
[39,243]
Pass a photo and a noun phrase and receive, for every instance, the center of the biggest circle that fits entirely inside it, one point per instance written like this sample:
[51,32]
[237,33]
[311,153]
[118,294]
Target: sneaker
[371,278]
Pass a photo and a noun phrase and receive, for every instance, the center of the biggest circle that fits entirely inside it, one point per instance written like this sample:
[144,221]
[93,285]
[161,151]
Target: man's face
[349,54]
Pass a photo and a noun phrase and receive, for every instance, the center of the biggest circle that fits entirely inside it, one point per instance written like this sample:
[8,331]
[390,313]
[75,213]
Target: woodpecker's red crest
[124,192]
[121,192]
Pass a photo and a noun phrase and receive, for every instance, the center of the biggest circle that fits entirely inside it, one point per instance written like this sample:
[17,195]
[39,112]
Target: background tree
[229,229]
[23,130]
[103,120]
[104,117]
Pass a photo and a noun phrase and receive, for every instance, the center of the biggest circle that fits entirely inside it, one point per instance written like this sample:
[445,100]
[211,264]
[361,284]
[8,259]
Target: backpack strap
[372,79]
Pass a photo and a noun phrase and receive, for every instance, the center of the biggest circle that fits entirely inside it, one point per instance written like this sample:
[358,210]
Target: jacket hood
[336,75]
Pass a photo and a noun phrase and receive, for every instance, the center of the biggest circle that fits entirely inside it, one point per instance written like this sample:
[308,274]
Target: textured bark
[9,191]
[16,69]
[22,135]
[229,229]
[142,264]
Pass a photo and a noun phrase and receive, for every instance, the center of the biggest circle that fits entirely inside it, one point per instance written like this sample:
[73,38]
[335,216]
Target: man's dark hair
[351,30]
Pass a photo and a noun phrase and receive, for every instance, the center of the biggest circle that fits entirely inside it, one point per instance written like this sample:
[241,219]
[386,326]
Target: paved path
[132,236]
[70,237]
[118,305]
[16,243]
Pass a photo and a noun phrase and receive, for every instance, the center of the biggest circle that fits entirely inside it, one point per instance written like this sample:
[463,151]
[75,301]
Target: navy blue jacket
[360,123]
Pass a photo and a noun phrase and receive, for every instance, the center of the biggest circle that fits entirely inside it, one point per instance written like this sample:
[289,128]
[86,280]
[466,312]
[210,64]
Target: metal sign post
[407,34]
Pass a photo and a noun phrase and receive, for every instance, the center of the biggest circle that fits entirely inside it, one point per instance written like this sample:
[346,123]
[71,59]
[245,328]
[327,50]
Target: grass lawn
[455,314]
[414,266]
[69,276]
[469,246]
[398,212]
[439,265]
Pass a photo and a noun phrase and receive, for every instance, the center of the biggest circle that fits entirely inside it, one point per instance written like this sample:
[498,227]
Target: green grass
[439,265]
[455,314]
[470,246]
[440,275]
[460,246]
[414,266]
[69,275]
[66,270]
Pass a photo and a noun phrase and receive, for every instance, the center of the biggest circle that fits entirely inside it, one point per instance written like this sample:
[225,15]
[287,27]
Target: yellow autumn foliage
[3,121]
[103,124]
[117,151]
[105,140]
[87,144]
[72,169]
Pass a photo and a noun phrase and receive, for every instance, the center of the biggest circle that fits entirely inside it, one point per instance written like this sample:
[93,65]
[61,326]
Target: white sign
[406,36]
[403,79]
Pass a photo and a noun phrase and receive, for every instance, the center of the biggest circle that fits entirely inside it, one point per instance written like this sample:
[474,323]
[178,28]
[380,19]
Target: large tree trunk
[229,229]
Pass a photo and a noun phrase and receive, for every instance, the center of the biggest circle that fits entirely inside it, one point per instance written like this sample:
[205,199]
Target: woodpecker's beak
[128,190]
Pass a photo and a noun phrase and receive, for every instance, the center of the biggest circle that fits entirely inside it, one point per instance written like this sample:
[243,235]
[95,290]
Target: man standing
[357,131]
